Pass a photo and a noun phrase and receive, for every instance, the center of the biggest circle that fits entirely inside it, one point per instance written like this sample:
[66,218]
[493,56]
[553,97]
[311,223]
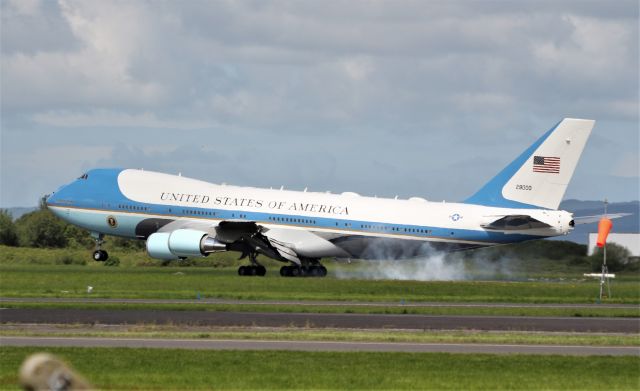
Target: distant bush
[112,261]
[550,249]
[8,235]
[535,249]
[128,244]
[618,258]
[41,229]
[78,237]
[66,259]
[578,261]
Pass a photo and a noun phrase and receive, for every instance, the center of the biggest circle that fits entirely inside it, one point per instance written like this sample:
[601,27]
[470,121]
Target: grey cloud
[360,95]
[40,29]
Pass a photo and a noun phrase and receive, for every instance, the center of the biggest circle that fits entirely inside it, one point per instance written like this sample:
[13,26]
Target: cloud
[96,72]
[360,96]
[110,119]
[627,166]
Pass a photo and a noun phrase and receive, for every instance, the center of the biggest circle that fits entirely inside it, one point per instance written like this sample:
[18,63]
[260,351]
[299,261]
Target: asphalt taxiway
[208,344]
[320,320]
[331,303]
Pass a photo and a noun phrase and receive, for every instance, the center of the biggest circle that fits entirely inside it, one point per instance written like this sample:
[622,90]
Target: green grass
[520,261]
[17,280]
[345,309]
[122,368]
[308,334]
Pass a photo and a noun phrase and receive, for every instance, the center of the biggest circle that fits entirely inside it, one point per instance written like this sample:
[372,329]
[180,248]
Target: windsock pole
[604,227]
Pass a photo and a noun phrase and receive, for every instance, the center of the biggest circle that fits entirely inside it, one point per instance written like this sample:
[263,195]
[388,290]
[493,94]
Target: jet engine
[182,243]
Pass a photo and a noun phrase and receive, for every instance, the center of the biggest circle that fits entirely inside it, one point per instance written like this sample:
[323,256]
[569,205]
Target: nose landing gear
[99,255]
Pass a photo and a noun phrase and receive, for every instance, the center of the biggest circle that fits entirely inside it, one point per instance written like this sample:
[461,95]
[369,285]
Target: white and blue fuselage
[518,204]
[122,202]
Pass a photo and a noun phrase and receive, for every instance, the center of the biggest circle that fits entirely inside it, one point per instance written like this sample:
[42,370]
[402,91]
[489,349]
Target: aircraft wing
[170,226]
[283,244]
[295,243]
[596,218]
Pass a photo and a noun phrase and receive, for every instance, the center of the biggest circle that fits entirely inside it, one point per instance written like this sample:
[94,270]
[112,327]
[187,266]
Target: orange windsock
[604,226]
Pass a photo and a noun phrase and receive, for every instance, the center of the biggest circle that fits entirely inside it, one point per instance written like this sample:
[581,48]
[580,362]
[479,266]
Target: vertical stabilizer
[538,178]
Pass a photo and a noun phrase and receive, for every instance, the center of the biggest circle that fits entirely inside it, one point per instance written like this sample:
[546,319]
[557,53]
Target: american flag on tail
[546,164]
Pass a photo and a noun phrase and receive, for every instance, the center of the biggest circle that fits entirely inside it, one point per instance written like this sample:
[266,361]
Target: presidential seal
[112,221]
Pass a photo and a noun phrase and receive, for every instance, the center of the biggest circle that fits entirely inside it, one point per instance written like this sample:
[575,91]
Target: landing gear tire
[316,271]
[100,255]
[305,271]
[253,270]
[261,271]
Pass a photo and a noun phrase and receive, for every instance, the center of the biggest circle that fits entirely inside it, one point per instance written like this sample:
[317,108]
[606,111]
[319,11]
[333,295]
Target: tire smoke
[386,263]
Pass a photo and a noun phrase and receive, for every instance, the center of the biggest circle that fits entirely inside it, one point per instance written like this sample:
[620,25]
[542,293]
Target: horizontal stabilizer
[515,223]
[596,218]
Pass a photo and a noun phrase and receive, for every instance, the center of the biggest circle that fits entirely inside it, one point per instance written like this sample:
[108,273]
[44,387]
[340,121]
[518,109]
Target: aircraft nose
[51,199]
[55,197]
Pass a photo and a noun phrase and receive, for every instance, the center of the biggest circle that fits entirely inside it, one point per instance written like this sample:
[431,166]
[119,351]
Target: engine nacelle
[158,246]
[182,243]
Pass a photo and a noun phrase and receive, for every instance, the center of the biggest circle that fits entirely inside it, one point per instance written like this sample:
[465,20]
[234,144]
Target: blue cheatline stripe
[127,222]
[491,193]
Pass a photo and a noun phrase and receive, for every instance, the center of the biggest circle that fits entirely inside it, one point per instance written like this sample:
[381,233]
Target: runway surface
[344,321]
[318,346]
[307,302]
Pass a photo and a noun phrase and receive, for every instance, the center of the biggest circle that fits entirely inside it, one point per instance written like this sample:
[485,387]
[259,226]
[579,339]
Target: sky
[386,98]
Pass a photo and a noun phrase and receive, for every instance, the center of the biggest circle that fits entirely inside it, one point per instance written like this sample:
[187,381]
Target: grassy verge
[187,283]
[122,368]
[346,309]
[297,334]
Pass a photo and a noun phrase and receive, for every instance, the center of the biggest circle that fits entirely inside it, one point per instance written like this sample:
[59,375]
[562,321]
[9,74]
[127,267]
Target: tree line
[42,229]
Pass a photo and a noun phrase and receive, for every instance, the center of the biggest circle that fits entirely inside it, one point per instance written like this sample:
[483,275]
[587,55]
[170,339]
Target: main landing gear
[255,269]
[252,270]
[99,255]
[309,268]
[303,271]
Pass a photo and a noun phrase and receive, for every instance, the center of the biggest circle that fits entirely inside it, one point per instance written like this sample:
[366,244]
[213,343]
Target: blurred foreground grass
[127,368]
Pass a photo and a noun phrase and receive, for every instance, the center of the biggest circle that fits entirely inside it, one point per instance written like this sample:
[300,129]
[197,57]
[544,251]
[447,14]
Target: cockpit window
[84,176]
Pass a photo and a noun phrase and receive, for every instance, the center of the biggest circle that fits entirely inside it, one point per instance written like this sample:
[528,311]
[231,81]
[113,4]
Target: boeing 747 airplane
[181,217]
